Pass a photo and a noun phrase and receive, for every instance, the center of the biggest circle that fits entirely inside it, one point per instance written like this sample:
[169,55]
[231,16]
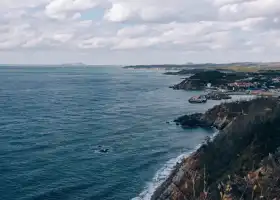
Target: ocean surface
[54,121]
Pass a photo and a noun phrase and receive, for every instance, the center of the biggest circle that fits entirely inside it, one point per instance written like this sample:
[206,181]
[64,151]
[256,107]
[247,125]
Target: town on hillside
[220,84]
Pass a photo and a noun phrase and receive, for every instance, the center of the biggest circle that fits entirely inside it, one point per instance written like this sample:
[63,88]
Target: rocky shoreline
[241,162]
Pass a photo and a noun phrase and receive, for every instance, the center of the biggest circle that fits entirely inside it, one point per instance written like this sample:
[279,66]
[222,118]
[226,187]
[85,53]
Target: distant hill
[230,66]
[73,64]
[176,66]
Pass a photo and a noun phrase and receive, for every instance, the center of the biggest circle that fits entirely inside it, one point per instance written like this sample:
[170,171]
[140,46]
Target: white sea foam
[160,176]
[163,173]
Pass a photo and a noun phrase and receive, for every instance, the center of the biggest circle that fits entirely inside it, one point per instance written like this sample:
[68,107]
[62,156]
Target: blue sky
[138,31]
[95,14]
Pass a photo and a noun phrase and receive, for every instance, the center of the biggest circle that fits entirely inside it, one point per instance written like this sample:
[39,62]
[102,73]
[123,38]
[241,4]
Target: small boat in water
[198,99]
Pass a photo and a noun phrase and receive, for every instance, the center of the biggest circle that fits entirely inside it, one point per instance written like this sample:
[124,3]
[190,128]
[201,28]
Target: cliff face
[240,163]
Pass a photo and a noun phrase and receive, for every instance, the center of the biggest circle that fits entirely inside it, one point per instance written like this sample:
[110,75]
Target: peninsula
[222,80]
[241,162]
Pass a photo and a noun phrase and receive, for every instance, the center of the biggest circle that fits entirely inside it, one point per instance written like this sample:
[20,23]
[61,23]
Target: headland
[241,162]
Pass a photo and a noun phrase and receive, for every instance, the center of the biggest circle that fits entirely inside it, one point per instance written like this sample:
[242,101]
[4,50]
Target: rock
[192,121]
[221,123]
[104,150]
[217,96]
[252,137]
[189,84]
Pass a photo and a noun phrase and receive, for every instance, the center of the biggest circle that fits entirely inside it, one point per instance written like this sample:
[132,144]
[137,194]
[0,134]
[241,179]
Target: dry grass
[252,68]
[242,68]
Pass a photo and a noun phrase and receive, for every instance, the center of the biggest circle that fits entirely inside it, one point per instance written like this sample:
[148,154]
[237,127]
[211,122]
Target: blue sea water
[54,120]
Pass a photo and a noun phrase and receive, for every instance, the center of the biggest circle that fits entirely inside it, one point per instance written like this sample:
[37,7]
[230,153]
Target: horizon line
[175,64]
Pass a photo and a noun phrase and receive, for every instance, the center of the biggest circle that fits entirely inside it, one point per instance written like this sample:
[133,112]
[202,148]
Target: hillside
[241,162]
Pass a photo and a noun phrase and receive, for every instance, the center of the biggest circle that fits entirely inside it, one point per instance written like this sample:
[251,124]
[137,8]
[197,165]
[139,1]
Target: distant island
[73,64]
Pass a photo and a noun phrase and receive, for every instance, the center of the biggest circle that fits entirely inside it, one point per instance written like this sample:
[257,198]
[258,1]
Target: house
[243,85]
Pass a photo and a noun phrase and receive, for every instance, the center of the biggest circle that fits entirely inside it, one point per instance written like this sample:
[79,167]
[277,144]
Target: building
[241,85]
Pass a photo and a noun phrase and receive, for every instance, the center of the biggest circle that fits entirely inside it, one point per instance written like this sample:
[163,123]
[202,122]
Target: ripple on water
[52,120]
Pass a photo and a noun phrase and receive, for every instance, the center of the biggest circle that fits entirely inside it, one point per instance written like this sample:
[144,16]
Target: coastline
[173,186]
[161,177]
[153,188]
[168,172]
[176,186]
[177,167]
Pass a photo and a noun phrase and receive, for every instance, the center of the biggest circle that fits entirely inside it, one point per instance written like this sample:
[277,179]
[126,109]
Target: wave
[160,176]
[163,173]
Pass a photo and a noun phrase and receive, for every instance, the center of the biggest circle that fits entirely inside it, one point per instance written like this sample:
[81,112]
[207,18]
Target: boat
[198,99]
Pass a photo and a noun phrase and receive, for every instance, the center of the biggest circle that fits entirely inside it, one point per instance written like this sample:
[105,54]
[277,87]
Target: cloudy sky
[138,31]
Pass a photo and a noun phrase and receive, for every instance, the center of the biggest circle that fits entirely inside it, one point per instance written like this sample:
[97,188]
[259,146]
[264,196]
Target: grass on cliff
[244,69]
[242,162]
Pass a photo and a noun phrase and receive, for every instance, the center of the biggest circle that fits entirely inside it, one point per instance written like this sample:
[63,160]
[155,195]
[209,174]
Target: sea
[90,133]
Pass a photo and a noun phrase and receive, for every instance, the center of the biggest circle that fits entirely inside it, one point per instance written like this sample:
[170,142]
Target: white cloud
[60,8]
[224,2]
[156,10]
[133,31]
[124,28]
[247,9]
[15,4]
[119,12]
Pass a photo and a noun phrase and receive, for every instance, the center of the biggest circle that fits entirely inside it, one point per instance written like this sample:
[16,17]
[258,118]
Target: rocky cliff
[241,162]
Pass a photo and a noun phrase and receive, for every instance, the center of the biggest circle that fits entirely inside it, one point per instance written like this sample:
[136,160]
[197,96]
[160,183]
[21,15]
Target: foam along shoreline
[248,136]
[169,170]
[165,174]
[160,177]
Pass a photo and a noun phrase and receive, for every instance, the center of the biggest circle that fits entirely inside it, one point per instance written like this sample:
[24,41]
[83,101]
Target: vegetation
[250,69]
[252,144]
[242,162]
[186,71]
[199,80]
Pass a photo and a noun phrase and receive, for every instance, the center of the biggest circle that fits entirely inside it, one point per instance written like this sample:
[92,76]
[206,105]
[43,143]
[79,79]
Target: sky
[122,32]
